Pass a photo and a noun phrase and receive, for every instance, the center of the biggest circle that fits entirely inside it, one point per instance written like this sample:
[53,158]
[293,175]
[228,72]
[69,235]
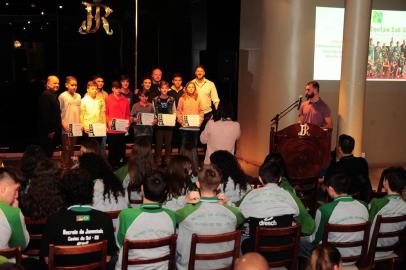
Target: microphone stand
[275,123]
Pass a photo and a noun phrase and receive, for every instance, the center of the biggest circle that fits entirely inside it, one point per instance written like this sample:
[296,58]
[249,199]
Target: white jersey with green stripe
[12,227]
[388,206]
[148,222]
[206,217]
[274,201]
[343,210]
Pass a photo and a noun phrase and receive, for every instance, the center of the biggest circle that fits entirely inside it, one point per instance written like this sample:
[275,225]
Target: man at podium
[314,110]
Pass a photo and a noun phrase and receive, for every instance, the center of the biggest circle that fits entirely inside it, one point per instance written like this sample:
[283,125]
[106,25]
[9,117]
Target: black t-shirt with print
[78,226]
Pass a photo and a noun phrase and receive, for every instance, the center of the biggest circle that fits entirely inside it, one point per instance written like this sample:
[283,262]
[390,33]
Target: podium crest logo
[304,130]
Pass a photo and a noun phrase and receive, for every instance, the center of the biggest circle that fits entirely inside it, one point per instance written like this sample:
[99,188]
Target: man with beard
[314,110]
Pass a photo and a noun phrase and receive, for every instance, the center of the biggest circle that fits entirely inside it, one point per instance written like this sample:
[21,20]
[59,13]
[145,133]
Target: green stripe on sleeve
[17,225]
[304,218]
[183,213]
[125,219]
[237,213]
[375,206]
[326,210]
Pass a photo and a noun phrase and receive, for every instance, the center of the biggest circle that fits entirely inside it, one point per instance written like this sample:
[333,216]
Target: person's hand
[222,198]
[136,91]
[192,197]
[155,121]
[51,135]
[65,127]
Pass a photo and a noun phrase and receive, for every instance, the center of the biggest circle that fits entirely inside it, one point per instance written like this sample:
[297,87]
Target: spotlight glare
[60,7]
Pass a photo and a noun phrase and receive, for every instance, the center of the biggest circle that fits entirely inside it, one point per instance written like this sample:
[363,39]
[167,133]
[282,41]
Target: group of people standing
[58,114]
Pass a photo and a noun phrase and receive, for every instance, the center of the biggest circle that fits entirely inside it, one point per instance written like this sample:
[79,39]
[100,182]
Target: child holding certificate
[142,130]
[189,108]
[163,105]
[118,119]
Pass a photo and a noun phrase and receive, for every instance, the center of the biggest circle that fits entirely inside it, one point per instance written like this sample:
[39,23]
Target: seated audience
[150,221]
[235,181]
[78,223]
[12,226]
[108,192]
[284,182]
[43,197]
[391,205]
[208,216]
[221,132]
[355,167]
[29,161]
[342,210]
[325,258]
[272,206]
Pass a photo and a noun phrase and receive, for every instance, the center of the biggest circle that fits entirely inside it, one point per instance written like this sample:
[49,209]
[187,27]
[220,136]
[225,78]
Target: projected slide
[387,45]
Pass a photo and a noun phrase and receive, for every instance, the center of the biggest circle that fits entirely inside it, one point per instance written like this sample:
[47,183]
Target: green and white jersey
[388,206]
[12,227]
[273,201]
[148,222]
[206,217]
[343,210]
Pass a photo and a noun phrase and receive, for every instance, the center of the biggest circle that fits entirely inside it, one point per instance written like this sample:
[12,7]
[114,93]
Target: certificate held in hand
[191,120]
[119,124]
[97,130]
[146,119]
[75,130]
[166,119]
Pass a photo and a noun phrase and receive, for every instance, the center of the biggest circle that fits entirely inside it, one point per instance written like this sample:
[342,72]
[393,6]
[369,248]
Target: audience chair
[35,229]
[290,234]
[215,239]
[147,244]
[376,235]
[130,200]
[12,253]
[380,184]
[361,259]
[306,190]
[76,250]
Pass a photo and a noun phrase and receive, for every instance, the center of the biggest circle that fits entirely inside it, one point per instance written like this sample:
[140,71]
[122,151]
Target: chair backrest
[291,246]
[376,234]
[306,190]
[215,239]
[147,244]
[11,253]
[381,178]
[360,259]
[35,228]
[100,247]
[131,200]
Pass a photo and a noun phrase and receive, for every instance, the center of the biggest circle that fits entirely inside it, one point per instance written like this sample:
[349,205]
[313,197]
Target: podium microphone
[299,102]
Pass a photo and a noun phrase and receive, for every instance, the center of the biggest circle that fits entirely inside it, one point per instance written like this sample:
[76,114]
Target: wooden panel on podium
[305,149]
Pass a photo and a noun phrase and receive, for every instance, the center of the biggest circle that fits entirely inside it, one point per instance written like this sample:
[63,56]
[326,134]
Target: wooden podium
[305,148]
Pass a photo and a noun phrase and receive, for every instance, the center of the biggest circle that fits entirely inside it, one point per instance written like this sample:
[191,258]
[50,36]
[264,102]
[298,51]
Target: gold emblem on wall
[86,27]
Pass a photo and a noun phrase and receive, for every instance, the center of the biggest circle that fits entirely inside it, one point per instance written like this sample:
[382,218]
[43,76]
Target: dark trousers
[116,147]
[163,136]
[68,151]
[189,146]
[49,144]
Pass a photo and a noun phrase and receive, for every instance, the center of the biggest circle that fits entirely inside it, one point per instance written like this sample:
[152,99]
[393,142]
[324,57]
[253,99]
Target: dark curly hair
[43,197]
[29,161]
[76,187]
[229,167]
[140,163]
[98,168]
